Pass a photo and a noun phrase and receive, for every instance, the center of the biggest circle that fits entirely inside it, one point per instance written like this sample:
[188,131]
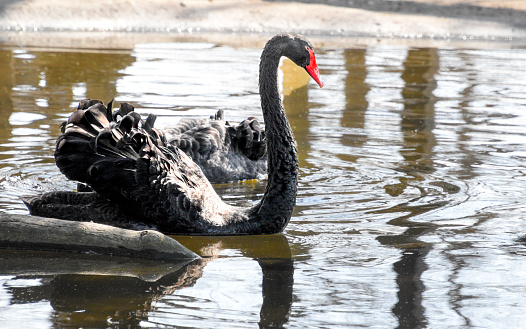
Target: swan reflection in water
[80,300]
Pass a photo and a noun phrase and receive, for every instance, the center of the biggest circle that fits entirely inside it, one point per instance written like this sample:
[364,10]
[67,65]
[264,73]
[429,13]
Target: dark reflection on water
[420,68]
[97,301]
[410,198]
[356,104]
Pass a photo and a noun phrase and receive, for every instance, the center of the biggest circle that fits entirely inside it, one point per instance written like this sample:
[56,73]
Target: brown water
[411,196]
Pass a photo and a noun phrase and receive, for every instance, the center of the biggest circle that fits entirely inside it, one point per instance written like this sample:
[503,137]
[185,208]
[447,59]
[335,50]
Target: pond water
[411,193]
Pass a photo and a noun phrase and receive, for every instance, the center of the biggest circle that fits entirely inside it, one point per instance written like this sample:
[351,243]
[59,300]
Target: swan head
[301,52]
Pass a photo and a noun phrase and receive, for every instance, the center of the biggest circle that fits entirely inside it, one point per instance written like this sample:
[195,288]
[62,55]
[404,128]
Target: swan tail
[97,146]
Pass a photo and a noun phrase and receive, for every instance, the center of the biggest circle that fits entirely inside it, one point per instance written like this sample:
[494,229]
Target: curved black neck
[275,209]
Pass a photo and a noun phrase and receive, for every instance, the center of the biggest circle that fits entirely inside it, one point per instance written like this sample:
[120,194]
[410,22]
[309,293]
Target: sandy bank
[96,23]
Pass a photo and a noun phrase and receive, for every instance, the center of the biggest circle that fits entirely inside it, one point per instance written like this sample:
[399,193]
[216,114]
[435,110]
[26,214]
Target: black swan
[225,152]
[139,177]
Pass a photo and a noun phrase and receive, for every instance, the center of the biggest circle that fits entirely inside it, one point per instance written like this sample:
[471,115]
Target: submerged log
[39,233]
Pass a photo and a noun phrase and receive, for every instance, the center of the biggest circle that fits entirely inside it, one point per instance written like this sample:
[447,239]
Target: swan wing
[129,162]
[225,152]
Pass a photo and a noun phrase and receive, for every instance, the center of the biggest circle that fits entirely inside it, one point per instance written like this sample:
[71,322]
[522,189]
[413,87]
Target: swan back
[225,152]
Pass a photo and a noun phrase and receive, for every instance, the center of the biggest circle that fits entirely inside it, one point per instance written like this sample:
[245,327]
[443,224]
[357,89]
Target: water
[411,191]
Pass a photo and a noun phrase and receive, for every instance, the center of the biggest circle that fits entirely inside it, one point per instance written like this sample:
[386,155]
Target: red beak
[313,70]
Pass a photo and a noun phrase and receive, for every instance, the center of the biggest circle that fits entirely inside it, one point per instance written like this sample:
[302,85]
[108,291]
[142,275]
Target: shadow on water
[97,290]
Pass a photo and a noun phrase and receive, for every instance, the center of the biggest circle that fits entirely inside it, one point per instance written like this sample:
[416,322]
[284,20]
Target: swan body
[140,175]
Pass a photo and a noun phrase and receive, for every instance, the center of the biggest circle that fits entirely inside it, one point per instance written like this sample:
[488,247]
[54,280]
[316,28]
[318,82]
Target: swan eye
[309,50]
